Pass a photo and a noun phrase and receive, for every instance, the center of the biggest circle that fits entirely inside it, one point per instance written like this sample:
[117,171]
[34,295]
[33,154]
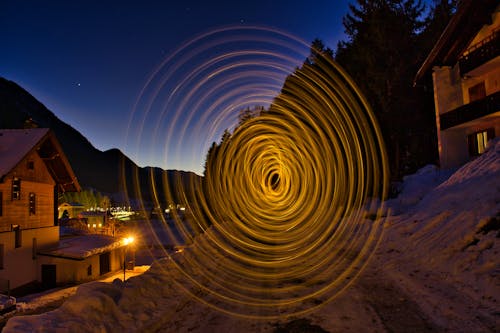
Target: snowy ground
[42,299]
[52,299]
[436,269]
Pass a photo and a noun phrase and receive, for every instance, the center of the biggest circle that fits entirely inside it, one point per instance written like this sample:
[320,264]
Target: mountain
[111,171]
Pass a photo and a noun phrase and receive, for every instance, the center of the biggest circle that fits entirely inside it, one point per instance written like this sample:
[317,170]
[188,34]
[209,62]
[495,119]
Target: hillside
[109,172]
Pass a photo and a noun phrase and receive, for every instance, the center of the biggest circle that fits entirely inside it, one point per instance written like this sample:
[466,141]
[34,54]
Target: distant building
[98,222]
[465,65]
[33,169]
[72,209]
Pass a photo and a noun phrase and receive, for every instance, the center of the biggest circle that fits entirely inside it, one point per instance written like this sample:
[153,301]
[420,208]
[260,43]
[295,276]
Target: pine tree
[383,53]
[439,15]
[210,159]
[226,136]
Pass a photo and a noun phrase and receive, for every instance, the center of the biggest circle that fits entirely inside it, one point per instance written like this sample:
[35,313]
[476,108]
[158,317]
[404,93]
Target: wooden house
[465,65]
[33,170]
[70,209]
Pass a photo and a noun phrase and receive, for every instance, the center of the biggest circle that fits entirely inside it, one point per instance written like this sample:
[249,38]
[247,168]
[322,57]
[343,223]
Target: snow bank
[415,187]
[452,234]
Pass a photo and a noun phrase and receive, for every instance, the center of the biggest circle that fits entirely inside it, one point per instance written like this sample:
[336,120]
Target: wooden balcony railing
[474,110]
[480,53]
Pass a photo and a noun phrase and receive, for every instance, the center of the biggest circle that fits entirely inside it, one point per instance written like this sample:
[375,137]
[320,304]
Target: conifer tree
[387,42]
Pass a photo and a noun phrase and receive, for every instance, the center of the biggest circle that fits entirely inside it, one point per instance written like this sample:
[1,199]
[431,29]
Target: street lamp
[127,241]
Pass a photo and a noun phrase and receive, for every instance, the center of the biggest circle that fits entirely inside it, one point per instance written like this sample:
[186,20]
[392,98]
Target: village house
[80,258]
[33,170]
[465,64]
[70,209]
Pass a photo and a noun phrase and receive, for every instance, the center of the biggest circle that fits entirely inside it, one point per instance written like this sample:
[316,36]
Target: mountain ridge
[110,171]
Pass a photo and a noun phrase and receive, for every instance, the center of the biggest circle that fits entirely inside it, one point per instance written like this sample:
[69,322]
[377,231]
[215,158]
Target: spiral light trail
[279,223]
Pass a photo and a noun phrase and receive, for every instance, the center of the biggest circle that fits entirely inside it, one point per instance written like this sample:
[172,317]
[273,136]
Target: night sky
[160,80]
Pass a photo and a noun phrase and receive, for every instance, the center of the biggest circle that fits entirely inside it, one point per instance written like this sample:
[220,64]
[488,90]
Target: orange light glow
[128,240]
[283,215]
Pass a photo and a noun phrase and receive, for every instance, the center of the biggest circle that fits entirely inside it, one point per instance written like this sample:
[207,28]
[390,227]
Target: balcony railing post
[480,53]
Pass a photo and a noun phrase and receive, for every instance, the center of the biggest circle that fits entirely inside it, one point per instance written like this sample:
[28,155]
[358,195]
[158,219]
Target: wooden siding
[38,181]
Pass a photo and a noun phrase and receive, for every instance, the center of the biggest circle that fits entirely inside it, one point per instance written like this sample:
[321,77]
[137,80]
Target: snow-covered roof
[71,204]
[92,213]
[81,247]
[15,144]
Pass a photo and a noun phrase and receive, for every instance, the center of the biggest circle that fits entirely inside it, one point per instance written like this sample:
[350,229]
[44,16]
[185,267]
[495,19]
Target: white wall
[19,266]
[75,271]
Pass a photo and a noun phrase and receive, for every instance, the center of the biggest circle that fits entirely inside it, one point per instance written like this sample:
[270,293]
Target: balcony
[480,53]
[468,112]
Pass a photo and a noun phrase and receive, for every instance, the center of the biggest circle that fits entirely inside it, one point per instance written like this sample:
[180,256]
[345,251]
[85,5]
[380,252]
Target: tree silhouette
[387,42]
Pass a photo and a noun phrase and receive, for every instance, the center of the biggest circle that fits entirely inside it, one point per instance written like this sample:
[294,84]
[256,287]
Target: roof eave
[457,35]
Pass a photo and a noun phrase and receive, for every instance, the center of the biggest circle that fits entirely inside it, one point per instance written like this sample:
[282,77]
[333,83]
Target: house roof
[458,34]
[92,213]
[16,144]
[72,204]
[81,247]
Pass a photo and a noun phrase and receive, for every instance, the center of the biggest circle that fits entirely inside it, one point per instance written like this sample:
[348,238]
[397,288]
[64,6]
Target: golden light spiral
[282,211]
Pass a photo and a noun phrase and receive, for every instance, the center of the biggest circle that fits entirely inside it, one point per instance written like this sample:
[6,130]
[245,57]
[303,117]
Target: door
[104,263]
[49,277]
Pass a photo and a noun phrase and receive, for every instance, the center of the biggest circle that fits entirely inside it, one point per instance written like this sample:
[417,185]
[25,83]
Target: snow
[437,268]
[416,186]
[79,247]
[6,301]
[15,144]
[43,299]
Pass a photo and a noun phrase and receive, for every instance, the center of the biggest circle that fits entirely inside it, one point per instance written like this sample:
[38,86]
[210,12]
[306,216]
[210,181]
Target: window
[478,141]
[1,256]
[16,189]
[89,270]
[477,92]
[32,203]
[31,165]
[1,204]
[17,235]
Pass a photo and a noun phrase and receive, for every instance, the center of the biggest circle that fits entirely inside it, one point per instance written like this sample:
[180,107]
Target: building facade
[33,169]
[81,258]
[465,66]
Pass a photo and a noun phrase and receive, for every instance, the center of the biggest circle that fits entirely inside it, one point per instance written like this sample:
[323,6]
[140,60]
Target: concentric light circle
[279,223]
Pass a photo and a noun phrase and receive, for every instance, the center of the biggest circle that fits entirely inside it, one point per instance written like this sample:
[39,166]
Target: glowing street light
[127,241]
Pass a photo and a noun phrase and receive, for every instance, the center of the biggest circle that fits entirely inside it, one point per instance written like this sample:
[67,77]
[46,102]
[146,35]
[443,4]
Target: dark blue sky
[119,71]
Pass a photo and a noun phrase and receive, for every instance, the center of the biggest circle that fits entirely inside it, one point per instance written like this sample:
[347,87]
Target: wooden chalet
[465,65]
[33,170]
